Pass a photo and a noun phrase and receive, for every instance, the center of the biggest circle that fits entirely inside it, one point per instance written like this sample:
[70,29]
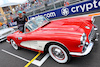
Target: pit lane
[7,60]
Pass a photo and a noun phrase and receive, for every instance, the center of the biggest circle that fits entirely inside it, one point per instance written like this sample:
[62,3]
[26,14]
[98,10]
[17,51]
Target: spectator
[66,3]
[35,4]
[45,3]
[11,18]
[20,21]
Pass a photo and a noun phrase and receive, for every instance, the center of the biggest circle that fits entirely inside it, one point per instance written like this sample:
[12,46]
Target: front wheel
[14,45]
[59,54]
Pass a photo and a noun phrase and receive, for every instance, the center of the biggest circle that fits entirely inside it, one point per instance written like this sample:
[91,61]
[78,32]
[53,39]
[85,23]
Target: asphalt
[91,60]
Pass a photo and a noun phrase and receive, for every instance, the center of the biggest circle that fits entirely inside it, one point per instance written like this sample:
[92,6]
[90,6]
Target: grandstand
[33,7]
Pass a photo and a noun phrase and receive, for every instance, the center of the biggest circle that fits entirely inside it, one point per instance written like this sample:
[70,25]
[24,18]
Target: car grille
[6,33]
[92,33]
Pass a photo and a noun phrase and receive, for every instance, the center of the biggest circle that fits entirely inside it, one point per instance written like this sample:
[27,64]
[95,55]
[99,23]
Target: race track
[11,59]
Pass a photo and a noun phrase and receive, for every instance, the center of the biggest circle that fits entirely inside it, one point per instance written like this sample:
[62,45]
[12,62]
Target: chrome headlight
[83,39]
[93,20]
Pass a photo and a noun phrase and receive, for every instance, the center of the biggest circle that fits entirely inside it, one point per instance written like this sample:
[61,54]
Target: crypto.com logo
[86,6]
[65,11]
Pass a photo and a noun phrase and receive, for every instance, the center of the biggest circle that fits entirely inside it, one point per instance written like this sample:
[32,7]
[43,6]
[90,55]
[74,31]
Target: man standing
[20,21]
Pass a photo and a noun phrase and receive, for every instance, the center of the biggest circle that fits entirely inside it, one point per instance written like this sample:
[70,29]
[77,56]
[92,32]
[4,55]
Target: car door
[28,40]
[22,40]
[36,42]
[32,40]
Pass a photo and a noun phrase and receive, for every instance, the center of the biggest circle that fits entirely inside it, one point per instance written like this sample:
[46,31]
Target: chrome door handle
[19,38]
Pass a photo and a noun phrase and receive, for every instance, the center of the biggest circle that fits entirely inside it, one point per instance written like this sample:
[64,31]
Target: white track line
[15,55]
[39,63]
[35,62]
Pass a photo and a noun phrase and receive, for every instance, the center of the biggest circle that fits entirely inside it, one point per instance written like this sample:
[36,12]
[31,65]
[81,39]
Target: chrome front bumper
[7,41]
[96,34]
[90,45]
[88,49]
[4,37]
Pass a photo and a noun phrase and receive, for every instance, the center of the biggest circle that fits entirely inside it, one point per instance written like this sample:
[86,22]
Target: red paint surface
[65,31]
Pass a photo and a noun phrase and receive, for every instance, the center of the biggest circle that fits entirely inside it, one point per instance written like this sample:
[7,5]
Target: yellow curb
[32,60]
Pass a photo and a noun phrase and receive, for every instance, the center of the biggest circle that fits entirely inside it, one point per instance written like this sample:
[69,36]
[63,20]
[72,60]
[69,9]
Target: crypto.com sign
[82,7]
[86,6]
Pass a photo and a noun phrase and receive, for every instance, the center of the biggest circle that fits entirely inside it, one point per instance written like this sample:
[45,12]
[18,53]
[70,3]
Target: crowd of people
[29,6]
[21,19]
[35,4]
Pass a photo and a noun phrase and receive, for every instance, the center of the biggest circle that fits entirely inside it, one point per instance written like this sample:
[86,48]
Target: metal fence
[47,5]
[44,6]
[40,6]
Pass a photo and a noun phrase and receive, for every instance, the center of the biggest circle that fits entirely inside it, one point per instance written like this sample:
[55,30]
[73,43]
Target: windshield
[36,23]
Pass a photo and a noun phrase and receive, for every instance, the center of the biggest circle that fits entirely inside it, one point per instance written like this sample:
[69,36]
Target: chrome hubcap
[14,44]
[58,53]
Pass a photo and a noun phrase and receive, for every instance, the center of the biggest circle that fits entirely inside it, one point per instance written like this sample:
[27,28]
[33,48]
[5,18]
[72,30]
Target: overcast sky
[11,1]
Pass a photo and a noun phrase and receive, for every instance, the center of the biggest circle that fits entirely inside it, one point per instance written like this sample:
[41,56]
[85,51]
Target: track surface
[91,60]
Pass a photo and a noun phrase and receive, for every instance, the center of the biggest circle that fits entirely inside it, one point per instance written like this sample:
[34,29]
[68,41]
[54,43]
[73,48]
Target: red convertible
[62,38]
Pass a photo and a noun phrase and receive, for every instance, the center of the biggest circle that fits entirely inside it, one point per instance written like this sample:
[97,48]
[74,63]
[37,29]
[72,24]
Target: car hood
[5,30]
[64,25]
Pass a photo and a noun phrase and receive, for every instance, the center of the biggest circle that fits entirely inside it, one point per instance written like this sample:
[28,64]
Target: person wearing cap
[21,21]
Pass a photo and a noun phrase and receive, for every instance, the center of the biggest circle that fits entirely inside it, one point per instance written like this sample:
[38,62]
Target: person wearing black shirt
[20,21]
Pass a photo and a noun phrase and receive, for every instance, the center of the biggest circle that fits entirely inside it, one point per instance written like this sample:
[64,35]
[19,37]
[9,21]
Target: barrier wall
[86,6]
[82,7]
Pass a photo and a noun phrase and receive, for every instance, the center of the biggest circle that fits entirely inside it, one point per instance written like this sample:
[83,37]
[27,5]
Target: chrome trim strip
[92,19]
[89,48]
[7,41]
[92,34]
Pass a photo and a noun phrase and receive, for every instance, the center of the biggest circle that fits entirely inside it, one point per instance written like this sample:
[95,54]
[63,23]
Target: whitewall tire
[59,54]
[14,45]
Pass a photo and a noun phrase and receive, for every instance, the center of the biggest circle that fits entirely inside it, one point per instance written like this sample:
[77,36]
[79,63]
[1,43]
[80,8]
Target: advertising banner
[82,7]
[12,24]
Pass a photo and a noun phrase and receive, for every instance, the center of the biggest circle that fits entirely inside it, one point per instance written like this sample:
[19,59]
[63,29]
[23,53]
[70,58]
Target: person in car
[21,21]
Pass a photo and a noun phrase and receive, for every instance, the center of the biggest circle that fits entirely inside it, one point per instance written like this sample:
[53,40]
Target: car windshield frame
[36,23]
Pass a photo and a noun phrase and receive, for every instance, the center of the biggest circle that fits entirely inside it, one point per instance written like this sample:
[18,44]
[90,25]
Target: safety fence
[48,5]
[84,6]
[57,9]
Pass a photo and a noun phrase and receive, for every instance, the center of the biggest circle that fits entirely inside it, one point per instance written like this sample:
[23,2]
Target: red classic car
[62,38]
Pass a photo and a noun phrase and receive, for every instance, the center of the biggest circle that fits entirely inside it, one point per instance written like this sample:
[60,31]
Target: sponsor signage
[12,24]
[82,7]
